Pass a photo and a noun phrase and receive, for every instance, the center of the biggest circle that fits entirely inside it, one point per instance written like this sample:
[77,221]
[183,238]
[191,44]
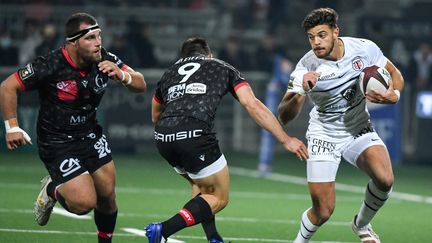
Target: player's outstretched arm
[130,78]
[15,136]
[265,118]
[290,107]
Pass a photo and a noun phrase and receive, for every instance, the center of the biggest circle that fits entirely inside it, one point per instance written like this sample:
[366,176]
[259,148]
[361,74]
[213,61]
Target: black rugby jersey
[68,96]
[194,87]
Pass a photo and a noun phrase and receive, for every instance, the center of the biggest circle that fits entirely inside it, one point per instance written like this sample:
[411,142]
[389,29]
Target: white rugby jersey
[339,106]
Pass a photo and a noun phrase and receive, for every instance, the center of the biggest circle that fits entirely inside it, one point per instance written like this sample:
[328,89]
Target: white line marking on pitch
[134,235]
[143,232]
[339,186]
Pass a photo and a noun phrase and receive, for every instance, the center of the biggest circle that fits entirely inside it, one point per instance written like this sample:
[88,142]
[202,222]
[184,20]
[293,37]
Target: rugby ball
[374,77]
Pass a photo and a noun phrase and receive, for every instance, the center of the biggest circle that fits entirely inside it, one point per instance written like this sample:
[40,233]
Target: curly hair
[320,16]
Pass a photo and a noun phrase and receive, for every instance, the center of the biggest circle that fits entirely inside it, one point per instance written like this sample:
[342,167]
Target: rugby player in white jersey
[339,125]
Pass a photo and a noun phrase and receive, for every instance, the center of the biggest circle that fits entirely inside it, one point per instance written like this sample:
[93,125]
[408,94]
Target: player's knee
[324,213]
[82,207]
[386,183]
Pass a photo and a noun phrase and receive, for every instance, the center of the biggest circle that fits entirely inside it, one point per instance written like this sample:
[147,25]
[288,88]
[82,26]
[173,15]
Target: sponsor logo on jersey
[171,137]
[102,147]
[175,92]
[327,76]
[76,120]
[196,88]
[322,147]
[67,90]
[357,64]
[68,166]
[26,71]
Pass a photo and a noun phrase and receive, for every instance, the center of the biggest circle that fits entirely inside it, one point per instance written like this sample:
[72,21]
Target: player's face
[322,39]
[89,46]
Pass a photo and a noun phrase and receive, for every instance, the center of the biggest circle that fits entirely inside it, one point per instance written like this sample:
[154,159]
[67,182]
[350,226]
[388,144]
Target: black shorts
[65,161]
[191,146]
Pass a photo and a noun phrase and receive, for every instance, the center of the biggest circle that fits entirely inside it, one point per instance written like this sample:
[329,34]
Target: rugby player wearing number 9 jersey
[184,108]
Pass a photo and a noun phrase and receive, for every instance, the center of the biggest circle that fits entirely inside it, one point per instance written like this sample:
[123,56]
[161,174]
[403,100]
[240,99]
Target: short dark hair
[195,45]
[321,16]
[75,20]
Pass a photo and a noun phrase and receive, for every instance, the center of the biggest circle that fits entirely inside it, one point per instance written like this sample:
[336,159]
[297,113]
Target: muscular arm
[8,97]
[265,119]
[290,107]
[138,83]
[397,78]
[15,136]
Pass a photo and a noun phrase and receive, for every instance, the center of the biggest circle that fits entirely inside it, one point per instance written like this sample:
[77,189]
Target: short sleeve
[236,80]
[33,74]
[296,78]
[374,53]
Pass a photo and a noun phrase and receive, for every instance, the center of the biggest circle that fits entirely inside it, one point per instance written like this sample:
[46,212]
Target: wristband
[123,76]
[397,93]
[11,123]
[129,81]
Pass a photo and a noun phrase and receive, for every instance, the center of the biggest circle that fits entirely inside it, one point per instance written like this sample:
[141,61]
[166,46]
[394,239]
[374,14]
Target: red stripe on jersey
[157,99]
[69,60]
[20,81]
[240,85]
[187,216]
[124,67]
[105,235]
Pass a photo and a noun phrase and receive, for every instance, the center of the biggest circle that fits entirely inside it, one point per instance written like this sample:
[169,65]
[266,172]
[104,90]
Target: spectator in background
[8,50]
[271,59]
[421,65]
[266,52]
[122,47]
[49,42]
[32,39]
[233,54]
[139,36]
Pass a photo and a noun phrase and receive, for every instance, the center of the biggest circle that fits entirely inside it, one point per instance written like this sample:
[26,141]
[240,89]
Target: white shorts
[214,168]
[325,154]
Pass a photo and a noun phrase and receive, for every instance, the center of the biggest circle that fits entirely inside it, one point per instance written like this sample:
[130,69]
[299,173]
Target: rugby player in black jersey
[184,108]
[71,81]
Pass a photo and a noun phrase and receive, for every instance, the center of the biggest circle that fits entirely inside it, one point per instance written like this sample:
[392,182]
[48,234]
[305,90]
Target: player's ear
[336,31]
[210,55]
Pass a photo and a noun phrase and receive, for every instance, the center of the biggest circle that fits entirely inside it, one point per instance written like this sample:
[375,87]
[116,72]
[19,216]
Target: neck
[339,50]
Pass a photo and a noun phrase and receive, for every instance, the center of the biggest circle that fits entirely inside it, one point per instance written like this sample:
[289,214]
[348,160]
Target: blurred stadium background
[253,35]
[248,34]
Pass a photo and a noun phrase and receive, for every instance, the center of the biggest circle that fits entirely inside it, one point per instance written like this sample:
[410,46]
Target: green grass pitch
[260,209]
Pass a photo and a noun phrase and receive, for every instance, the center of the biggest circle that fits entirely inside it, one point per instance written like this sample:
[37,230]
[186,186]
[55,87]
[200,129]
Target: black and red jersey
[193,87]
[68,96]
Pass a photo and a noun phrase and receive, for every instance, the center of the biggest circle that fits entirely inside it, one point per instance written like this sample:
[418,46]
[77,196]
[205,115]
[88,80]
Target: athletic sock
[61,200]
[196,211]
[307,229]
[51,189]
[210,230]
[105,224]
[374,200]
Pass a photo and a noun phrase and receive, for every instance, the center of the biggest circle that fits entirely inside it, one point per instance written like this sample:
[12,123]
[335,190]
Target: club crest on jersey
[357,64]
[26,71]
[100,84]
[67,90]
